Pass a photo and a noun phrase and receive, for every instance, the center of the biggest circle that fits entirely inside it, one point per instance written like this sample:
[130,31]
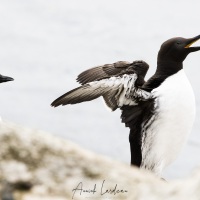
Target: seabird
[159,112]
[5,78]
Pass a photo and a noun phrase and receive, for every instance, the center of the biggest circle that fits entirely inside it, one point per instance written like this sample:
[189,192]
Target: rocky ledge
[35,165]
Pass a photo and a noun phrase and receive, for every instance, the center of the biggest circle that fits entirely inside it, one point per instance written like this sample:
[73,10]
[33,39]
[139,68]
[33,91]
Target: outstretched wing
[120,86]
[116,69]
[117,91]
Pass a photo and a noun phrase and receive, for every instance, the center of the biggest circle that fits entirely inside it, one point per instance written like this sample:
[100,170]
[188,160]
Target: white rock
[55,167]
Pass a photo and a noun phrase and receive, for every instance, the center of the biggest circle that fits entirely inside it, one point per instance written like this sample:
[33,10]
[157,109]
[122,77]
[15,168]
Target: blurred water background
[45,44]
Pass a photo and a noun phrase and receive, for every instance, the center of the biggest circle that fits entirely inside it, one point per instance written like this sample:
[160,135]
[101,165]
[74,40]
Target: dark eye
[178,43]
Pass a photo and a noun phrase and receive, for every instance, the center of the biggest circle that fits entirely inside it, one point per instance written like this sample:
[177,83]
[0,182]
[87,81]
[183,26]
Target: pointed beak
[5,79]
[191,41]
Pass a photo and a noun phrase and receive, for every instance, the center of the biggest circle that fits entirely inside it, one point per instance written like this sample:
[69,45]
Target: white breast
[172,122]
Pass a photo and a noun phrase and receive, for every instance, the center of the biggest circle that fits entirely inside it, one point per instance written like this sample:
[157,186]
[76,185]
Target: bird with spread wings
[159,112]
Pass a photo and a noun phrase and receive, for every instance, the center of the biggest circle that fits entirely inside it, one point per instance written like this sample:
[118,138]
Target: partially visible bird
[160,112]
[5,78]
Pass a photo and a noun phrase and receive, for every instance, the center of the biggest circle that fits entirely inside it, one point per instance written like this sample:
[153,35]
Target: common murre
[5,78]
[159,112]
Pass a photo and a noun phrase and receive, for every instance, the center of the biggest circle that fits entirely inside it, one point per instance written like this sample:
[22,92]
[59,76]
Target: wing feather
[87,92]
[102,72]
[115,69]
[116,91]
[78,95]
[119,84]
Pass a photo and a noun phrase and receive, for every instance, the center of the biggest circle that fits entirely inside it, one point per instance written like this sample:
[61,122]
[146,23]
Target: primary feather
[116,91]
[117,83]
[116,69]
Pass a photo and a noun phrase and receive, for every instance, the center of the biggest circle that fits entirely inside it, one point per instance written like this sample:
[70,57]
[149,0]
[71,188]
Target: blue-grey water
[44,44]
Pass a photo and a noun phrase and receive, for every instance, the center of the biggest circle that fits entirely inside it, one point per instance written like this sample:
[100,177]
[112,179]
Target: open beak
[191,41]
[5,79]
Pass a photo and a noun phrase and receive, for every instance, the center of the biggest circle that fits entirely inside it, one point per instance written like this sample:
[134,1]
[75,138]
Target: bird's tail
[80,94]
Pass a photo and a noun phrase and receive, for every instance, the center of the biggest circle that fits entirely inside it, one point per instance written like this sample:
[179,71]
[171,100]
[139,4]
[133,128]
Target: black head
[5,78]
[177,49]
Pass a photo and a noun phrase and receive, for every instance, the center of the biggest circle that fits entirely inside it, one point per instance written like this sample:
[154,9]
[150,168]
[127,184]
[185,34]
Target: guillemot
[160,112]
[5,78]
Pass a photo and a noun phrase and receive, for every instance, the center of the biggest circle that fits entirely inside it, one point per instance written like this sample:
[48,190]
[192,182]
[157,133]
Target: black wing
[117,83]
[117,91]
[134,117]
[116,69]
